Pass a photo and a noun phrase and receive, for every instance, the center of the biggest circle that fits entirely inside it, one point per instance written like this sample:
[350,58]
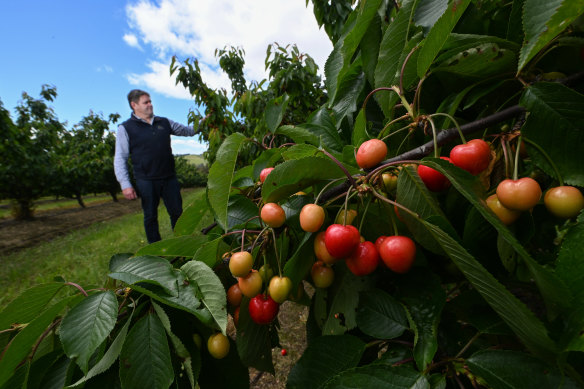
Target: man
[146,139]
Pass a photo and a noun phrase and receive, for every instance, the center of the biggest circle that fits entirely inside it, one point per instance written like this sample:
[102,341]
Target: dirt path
[17,234]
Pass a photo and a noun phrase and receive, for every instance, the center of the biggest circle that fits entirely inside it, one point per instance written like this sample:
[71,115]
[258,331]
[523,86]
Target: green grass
[82,256]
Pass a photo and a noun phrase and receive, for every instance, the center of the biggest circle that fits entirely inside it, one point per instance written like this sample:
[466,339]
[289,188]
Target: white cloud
[132,41]
[189,28]
[158,79]
[181,145]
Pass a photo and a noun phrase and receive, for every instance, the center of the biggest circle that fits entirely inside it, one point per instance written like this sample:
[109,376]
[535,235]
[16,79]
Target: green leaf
[148,269]
[413,194]
[528,328]
[380,315]
[183,246]
[21,345]
[298,134]
[242,212]
[349,88]
[292,176]
[177,344]
[110,357]
[87,325]
[29,304]
[556,294]
[253,341]
[192,216]
[360,130]
[378,376]
[485,60]
[325,357]
[275,111]
[322,124]
[428,13]
[212,291]
[298,266]
[268,158]
[344,300]
[439,34]
[393,43]
[302,151]
[555,123]
[515,370]
[221,175]
[145,360]
[210,253]
[543,20]
[424,298]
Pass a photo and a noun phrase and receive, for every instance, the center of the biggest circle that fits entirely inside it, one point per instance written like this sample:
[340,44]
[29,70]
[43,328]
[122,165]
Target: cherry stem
[324,188]
[364,213]
[382,198]
[548,158]
[468,344]
[277,255]
[396,131]
[380,136]
[504,145]
[369,96]
[436,154]
[403,68]
[516,167]
[78,287]
[242,239]
[455,123]
[407,105]
[416,99]
[343,168]
[257,237]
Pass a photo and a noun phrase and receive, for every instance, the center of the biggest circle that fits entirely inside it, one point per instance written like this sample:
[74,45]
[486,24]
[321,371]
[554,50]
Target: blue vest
[150,149]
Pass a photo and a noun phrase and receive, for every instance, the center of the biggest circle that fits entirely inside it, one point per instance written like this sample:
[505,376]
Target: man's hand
[129,193]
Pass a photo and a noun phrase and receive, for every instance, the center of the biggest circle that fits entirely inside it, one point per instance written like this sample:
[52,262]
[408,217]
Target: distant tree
[189,175]
[85,159]
[28,148]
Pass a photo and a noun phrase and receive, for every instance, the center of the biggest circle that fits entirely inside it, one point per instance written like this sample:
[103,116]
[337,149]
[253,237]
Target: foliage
[485,304]
[189,175]
[28,151]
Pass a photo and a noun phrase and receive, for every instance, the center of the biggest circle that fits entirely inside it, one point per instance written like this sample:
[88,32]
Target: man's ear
[133,105]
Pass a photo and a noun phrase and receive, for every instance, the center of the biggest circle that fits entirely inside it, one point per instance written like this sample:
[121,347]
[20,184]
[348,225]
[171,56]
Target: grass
[195,159]
[82,256]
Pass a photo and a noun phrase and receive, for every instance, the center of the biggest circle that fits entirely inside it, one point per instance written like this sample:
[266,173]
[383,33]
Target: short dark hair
[134,96]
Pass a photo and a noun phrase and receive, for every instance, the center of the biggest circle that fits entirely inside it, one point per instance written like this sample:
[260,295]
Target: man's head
[141,104]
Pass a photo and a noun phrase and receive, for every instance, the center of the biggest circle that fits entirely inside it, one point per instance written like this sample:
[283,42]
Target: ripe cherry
[371,153]
[263,309]
[433,179]
[264,173]
[364,259]
[322,275]
[251,284]
[564,201]
[234,295]
[473,156]
[280,288]
[398,253]
[506,215]
[341,241]
[519,195]
[320,250]
[218,345]
[311,217]
[236,316]
[240,263]
[273,215]
[284,352]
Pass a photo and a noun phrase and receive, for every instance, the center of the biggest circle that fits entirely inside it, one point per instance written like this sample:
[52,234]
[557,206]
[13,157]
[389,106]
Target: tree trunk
[22,209]
[80,200]
[114,196]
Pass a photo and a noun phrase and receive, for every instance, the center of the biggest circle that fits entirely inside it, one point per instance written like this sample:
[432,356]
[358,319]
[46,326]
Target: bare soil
[47,225]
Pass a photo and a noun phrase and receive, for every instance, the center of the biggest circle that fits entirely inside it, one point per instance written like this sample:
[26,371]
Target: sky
[94,52]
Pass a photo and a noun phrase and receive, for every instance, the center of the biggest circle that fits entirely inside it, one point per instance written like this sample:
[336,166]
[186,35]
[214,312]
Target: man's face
[143,108]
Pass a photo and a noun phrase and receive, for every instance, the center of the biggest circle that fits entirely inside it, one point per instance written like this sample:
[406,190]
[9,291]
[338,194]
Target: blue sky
[94,52]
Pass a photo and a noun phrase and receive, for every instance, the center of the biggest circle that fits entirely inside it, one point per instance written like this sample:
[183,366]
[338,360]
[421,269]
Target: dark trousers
[150,192]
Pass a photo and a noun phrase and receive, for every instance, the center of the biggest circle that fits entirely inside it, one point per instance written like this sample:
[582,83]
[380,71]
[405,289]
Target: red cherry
[370,153]
[264,173]
[284,352]
[433,179]
[398,253]
[341,241]
[364,259]
[263,309]
[473,156]
[378,242]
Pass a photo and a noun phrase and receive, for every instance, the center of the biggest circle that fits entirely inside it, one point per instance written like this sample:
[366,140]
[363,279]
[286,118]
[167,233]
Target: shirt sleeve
[180,129]
[121,158]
